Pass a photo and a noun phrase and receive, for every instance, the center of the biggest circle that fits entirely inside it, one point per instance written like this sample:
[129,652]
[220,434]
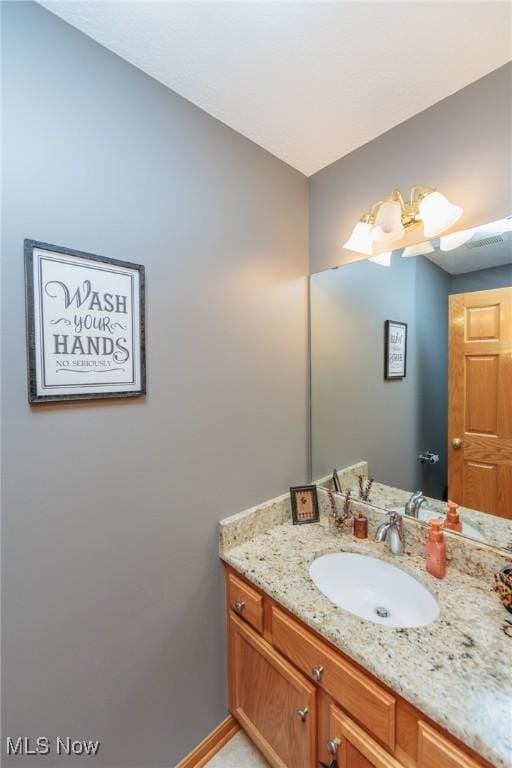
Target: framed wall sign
[395,346]
[304,504]
[85,325]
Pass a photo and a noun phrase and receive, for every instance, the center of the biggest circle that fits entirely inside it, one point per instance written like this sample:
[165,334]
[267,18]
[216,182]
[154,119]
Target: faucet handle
[396,539]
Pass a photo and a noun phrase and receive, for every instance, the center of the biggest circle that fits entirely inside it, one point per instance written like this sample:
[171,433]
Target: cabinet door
[354,747]
[273,702]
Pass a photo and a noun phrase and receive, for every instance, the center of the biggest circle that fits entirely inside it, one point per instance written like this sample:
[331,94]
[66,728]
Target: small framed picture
[395,349]
[85,325]
[304,504]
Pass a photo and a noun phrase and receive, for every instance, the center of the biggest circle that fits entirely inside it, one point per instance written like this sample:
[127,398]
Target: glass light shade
[388,223]
[417,250]
[456,239]
[438,214]
[360,239]
[382,259]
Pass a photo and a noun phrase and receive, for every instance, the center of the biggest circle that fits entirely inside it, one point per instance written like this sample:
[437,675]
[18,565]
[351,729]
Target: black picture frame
[310,492]
[34,397]
[391,372]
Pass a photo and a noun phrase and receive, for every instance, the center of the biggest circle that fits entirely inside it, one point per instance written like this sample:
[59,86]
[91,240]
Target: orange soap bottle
[452,521]
[435,550]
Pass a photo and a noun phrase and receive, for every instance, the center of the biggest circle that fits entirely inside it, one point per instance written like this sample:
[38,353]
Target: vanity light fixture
[391,218]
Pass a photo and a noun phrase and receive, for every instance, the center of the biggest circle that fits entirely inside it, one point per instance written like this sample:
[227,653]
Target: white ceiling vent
[492,240]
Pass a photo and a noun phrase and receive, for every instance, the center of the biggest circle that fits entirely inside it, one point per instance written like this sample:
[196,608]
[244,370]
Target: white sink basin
[431,514]
[374,590]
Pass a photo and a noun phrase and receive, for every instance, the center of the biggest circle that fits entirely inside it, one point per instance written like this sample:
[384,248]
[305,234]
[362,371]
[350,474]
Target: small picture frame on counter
[304,504]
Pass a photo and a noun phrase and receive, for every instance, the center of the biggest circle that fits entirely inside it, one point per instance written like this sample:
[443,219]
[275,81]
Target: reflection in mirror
[441,423]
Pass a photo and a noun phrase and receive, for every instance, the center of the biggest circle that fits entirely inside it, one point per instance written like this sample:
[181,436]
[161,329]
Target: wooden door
[480,401]
[354,747]
[272,701]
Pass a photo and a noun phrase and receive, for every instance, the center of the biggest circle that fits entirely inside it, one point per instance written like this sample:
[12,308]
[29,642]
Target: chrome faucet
[391,530]
[412,507]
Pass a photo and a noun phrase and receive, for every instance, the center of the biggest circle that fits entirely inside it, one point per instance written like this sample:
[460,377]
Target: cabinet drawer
[435,750]
[366,701]
[246,602]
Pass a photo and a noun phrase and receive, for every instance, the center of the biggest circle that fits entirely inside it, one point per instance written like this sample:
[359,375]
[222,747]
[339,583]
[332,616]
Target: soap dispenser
[435,550]
[452,522]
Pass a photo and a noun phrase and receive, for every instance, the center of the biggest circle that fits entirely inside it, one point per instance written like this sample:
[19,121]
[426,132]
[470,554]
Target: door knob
[316,673]
[456,442]
[303,713]
[332,746]
[239,606]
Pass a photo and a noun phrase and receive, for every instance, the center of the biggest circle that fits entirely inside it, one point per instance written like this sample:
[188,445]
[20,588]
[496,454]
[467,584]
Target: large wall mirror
[422,403]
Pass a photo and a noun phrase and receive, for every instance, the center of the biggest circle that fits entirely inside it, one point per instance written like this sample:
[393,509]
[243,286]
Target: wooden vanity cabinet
[365,700]
[271,700]
[297,696]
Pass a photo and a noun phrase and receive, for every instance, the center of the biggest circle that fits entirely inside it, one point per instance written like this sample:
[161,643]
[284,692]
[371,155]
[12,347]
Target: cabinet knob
[456,442]
[239,606]
[317,673]
[303,713]
[332,746]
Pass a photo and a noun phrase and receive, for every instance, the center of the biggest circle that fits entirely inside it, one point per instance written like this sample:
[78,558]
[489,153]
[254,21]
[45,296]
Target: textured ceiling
[309,81]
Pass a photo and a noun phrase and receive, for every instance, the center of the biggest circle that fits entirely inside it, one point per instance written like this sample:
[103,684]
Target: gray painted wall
[482,279]
[462,146]
[112,588]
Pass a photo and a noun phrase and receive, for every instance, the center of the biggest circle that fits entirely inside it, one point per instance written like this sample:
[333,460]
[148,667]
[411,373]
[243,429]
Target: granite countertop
[457,670]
